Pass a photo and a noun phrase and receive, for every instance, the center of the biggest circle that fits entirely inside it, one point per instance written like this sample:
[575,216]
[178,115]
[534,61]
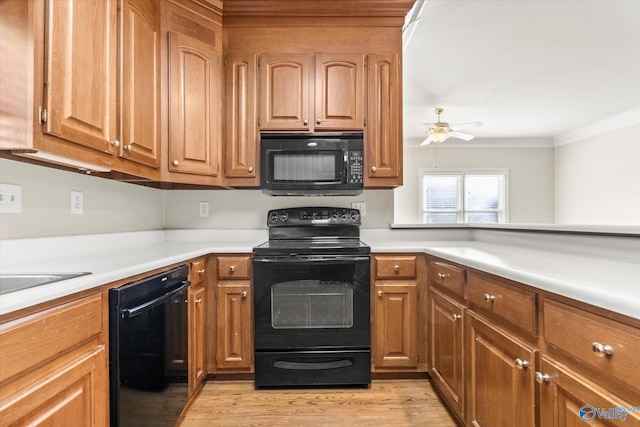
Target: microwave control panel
[356,166]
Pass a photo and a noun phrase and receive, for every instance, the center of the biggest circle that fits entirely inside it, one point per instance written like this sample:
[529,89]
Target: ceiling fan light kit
[441,131]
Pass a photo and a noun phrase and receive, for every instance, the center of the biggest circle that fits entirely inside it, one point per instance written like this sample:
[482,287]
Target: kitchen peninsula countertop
[608,282]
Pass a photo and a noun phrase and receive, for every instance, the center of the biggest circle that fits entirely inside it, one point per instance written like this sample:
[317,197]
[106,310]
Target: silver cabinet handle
[244,294]
[305,122]
[318,121]
[198,301]
[542,378]
[443,276]
[115,142]
[396,268]
[250,169]
[380,294]
[602,350]
[521,364]
[232,268]
[456,316]
[489,298]
[201,271]
[176,163]
[128,147]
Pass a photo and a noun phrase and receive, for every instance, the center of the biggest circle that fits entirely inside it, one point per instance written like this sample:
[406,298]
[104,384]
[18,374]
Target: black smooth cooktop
[335,246]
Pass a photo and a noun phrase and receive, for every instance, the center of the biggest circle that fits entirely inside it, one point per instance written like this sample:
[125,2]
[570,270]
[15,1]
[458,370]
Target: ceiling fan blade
[466,125]
[427,141]
[460,135]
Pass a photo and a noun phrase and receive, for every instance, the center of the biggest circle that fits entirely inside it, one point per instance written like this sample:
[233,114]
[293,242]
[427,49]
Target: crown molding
[598,128]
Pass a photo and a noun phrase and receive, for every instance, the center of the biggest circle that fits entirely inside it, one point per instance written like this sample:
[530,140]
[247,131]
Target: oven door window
[311,304]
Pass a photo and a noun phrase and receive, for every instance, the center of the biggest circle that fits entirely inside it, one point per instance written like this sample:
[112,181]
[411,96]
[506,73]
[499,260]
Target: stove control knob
[283,216]
[355,215]
[273,217]
[335,215]
[344,215]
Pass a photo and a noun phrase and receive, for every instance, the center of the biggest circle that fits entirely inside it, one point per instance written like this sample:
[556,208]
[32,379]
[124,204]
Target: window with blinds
[464,196]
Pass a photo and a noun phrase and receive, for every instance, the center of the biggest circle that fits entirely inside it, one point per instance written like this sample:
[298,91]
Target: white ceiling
[526,68]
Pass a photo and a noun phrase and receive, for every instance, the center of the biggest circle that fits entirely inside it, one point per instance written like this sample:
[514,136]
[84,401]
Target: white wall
[247,209]
[531,176]
[109,206]
[598,179]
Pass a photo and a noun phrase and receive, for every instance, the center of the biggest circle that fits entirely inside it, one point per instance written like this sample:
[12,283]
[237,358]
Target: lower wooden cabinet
[197,348]
[500,377]
[445,349]
[53,366]
[568,399]
[234,305]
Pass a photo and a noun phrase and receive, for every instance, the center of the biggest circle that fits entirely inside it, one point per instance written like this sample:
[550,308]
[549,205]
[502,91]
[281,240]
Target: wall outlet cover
[10,198]
[203,209]
[77,203]
[361,206]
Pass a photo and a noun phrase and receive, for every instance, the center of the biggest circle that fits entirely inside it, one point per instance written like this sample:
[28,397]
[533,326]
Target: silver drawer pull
[602,350]
[542,378]
[443,276]
[457,317]
[244,294]
[489,298]
[521,364]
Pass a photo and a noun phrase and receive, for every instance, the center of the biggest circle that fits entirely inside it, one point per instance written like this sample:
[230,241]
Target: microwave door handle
[127,313]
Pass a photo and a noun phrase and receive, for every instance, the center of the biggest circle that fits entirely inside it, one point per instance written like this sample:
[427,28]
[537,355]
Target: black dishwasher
[148,350]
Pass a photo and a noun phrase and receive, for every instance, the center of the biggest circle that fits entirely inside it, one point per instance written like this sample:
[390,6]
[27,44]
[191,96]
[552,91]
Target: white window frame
[461,173]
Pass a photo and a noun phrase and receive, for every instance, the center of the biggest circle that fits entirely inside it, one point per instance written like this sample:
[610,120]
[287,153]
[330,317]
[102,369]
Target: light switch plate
[10,198]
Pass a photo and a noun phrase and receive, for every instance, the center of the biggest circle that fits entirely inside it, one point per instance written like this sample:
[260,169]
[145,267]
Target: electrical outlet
[361,206]
[10,198]
[203,209]
[77,203]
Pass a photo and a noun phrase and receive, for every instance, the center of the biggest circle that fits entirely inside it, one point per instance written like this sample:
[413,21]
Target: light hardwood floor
[384,403]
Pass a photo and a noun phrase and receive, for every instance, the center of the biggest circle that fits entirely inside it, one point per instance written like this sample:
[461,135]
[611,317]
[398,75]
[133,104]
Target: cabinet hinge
[258,122]
[365,122]
[42,115]
[259,62]
[225,62]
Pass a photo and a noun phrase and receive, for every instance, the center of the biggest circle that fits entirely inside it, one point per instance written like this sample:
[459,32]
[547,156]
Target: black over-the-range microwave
[311,164]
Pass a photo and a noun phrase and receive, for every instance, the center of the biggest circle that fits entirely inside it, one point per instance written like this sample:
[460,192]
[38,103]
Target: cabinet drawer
[234,267]
[448,277]
[589,338]
[32,340]
[197,271]
[395,267]
[508,303]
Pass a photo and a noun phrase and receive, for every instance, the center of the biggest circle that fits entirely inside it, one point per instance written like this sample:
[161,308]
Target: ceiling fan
[440,131]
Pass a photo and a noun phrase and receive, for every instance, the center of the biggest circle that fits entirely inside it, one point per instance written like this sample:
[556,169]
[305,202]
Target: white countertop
[613,284]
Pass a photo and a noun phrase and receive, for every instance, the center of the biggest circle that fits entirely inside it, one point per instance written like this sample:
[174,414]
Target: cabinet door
[234,326]
[193,112]
[383,140]
[197,363]
[446,367]
[500,378]
[395,315]
[568,399]
[75,394]
[284,92]
[81,72]
[339,101]
[241,140]
[140,83]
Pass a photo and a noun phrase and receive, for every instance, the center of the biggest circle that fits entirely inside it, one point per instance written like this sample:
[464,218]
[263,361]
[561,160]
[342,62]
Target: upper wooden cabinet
[291,99]
[192,131]
[284,92]
[141,82]
[83,84]
[383,149]
[241,135]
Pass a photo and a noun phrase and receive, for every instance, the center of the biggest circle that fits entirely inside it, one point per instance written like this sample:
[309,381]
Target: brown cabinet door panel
[141,83]
[499,394]
[234,327]
[197,362]
[284,92]
[339,91]
[241,140]
[193,115]
[383,149]
[396,323]
[81,72]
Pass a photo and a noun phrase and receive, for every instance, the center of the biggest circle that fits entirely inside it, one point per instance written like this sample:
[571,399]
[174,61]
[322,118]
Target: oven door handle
[127,313]
[300,259]
[313,366]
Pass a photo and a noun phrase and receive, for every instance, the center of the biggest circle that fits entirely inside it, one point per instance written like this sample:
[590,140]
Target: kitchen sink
[18,281]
